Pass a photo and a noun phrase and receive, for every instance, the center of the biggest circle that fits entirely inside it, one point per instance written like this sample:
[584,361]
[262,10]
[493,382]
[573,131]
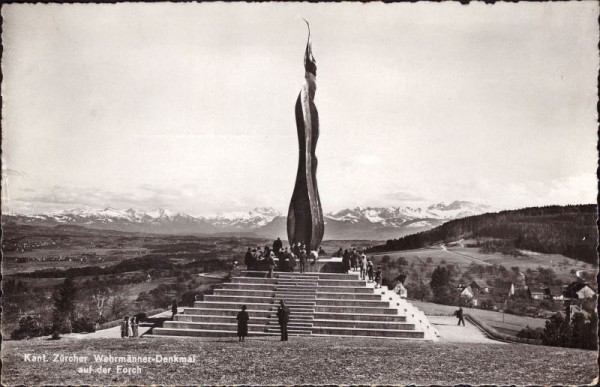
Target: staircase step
[353,303]
[368,332]
[253,280]
[243,292]
[231,305]
[297,323]
[248,286]
[203,318]
[225,312]
[300,304]
[276,329]
[296,283]
[239,299]
[349,296]
[345,289]
[355,309]
[204,332]
[363,324]
[211,326]
[334,282]
[295,295]
[288,288]
[358,316]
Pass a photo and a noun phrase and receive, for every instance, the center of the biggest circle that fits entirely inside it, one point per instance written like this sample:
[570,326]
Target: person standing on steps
[363,267]
[302,260]
[288,257]
[270,264]
[242,319]
[174,309]
[370,270]
[283,316]
[248,259]
[277,246]
[459,314]
[346,261]
[378,278]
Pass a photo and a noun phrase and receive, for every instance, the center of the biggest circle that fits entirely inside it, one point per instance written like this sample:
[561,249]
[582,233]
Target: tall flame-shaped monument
[305,216]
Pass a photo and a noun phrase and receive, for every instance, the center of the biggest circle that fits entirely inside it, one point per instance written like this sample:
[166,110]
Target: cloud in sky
[196,114]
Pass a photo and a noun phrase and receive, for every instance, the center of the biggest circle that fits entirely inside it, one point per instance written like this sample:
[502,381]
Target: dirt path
[466,256]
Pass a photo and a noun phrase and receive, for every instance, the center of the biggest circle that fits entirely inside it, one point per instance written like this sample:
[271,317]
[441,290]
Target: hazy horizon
[190,107]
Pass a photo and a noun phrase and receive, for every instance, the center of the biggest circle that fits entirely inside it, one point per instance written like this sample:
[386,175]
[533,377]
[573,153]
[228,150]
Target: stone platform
[328,304]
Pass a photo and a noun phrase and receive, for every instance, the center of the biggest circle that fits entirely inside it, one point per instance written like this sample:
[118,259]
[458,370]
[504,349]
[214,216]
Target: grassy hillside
[567,230]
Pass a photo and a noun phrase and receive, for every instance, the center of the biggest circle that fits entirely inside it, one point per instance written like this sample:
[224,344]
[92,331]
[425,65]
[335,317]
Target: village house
[554,293]
[479,286]
[503,290]
[579,290]
[537,293]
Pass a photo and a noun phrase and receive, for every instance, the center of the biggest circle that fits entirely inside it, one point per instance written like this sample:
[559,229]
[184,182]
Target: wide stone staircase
[320,304]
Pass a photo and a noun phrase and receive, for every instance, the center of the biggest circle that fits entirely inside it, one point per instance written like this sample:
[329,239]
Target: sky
[190,107]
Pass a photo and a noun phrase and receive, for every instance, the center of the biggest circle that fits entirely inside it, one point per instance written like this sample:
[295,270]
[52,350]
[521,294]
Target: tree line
[567,230]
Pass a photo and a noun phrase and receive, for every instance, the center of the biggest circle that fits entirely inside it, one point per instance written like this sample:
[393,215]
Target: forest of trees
[567,230]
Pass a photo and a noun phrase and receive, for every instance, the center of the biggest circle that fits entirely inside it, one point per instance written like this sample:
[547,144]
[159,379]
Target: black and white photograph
[300,193]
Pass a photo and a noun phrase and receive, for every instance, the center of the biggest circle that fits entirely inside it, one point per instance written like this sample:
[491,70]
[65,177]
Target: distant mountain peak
[357,223]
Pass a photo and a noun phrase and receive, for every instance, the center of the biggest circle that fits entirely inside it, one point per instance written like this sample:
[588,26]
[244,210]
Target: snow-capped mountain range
[377,223]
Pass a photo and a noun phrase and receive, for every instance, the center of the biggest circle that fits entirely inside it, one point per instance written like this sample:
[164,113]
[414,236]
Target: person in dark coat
[242,319]
[277,246]
[370,270]
[354,259]
[378,278]
[287,258]
[174,308]
[459,315]
[248,258]
[283,316]
[302,259]
[346,261]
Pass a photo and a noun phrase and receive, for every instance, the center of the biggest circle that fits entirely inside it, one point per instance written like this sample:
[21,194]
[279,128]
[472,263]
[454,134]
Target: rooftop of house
[503,285]
[537,290]
[479,283]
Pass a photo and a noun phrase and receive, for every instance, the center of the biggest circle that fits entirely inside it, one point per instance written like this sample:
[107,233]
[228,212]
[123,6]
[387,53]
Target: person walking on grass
[459,314]
[242,319]
[283,316]
[174,309]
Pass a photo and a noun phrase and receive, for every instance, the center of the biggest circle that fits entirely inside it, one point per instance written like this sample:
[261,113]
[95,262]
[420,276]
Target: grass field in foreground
[303,360]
